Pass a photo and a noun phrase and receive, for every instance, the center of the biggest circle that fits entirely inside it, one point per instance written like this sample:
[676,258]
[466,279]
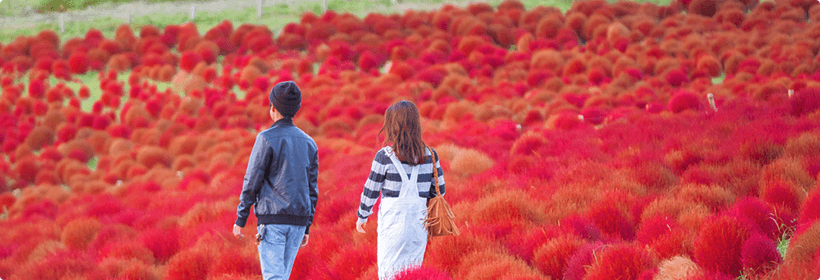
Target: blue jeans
[278,249]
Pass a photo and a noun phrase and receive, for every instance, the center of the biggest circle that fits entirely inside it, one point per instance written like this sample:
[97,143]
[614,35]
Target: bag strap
[435,171]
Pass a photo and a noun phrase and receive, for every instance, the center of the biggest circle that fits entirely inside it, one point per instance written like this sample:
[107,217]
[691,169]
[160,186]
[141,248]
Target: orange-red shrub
[719,244]
[551,257]
[622,261]
[77,234]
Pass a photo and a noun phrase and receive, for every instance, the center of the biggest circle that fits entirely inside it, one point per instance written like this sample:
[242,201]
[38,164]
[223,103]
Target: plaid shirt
[385,179]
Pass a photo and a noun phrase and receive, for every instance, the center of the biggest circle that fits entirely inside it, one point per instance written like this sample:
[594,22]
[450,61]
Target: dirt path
[27,18]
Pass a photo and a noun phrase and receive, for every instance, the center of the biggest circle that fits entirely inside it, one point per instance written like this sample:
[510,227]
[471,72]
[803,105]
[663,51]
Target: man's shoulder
[291,132]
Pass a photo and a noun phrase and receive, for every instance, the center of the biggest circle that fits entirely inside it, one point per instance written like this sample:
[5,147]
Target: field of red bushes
[576,145]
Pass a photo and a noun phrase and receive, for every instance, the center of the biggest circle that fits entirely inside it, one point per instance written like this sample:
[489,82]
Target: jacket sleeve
[258,163]
[313,178]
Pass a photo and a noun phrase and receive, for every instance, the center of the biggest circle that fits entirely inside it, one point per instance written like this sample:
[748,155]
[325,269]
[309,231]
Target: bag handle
[435,171]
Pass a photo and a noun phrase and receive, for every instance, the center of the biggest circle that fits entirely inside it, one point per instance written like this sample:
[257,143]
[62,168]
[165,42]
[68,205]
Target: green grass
[275,16]
[782,246]
[719,79]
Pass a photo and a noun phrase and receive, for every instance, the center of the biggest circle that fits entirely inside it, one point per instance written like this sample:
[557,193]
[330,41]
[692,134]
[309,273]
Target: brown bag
[440,220]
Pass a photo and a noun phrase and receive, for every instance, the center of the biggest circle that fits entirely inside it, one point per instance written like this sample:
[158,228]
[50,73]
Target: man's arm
[313,178]
[258,163]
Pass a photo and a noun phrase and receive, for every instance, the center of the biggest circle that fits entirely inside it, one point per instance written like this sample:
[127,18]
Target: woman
[402,237]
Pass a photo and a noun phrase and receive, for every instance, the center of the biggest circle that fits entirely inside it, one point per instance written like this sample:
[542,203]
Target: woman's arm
[372,187]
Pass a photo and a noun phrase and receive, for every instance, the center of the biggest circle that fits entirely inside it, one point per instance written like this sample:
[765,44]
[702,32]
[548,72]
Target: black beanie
[286,98]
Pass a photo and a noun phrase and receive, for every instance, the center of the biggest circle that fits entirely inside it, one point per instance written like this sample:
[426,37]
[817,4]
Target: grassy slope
[275,16]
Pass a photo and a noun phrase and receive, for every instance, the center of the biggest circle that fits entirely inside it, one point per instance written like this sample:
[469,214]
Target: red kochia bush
[551,258]
[622,261]
[189,264]
[810,212]
[77,234]
[422,273]
[79,63]
[234,262]
[719,243]
[805,245]
[676,77]
[579,261]
[612,219]
[759,255]
[684,100]
[805,101]
[164,243]
[189,60]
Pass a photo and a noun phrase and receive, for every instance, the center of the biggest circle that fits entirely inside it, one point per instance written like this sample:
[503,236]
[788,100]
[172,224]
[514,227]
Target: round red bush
[684,100]
[805,101]
[623,261]
[189,60]
[676,77]
[719,243]
[810,212]
[422,273]
[759,254]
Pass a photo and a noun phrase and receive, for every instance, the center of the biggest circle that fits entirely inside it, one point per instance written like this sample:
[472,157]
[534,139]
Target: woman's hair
[402,128]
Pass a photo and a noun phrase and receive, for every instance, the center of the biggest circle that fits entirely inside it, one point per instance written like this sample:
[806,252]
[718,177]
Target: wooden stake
[259,8]
[711,98]
[324,6]
[62,23]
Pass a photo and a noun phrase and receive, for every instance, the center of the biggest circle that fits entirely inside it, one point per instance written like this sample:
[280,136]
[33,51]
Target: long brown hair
[402,128]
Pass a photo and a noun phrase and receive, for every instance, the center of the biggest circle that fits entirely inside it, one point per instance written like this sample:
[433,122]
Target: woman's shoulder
[383,155]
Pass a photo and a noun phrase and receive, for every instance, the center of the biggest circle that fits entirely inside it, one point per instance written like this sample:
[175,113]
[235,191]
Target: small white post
[791,92]
[62,23]
[193,11]
[259,8]
[711,98]
[128,15]
[324,6]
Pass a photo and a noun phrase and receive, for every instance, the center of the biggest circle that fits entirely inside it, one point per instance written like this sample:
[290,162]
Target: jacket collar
[283,122]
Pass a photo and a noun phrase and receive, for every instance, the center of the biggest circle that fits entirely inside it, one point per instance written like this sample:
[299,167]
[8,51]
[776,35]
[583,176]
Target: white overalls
[402,237]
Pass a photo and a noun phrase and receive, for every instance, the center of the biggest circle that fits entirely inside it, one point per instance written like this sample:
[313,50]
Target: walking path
[27,18]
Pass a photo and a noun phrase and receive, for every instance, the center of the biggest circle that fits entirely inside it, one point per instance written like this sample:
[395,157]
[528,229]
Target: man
[281,184]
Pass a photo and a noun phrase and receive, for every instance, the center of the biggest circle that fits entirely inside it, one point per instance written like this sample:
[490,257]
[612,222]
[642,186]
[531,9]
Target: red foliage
[77,234]
[621,261]
[422,273]
[810,211]
[163,243]
[805,245]
[189,60]
[719,243]
[612,219]
[684,100]
[706,8]
[551,257]
[676,77]
[188,264]
[580,260]
[805,101]
[78,62]
[233,262]
[759,255]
